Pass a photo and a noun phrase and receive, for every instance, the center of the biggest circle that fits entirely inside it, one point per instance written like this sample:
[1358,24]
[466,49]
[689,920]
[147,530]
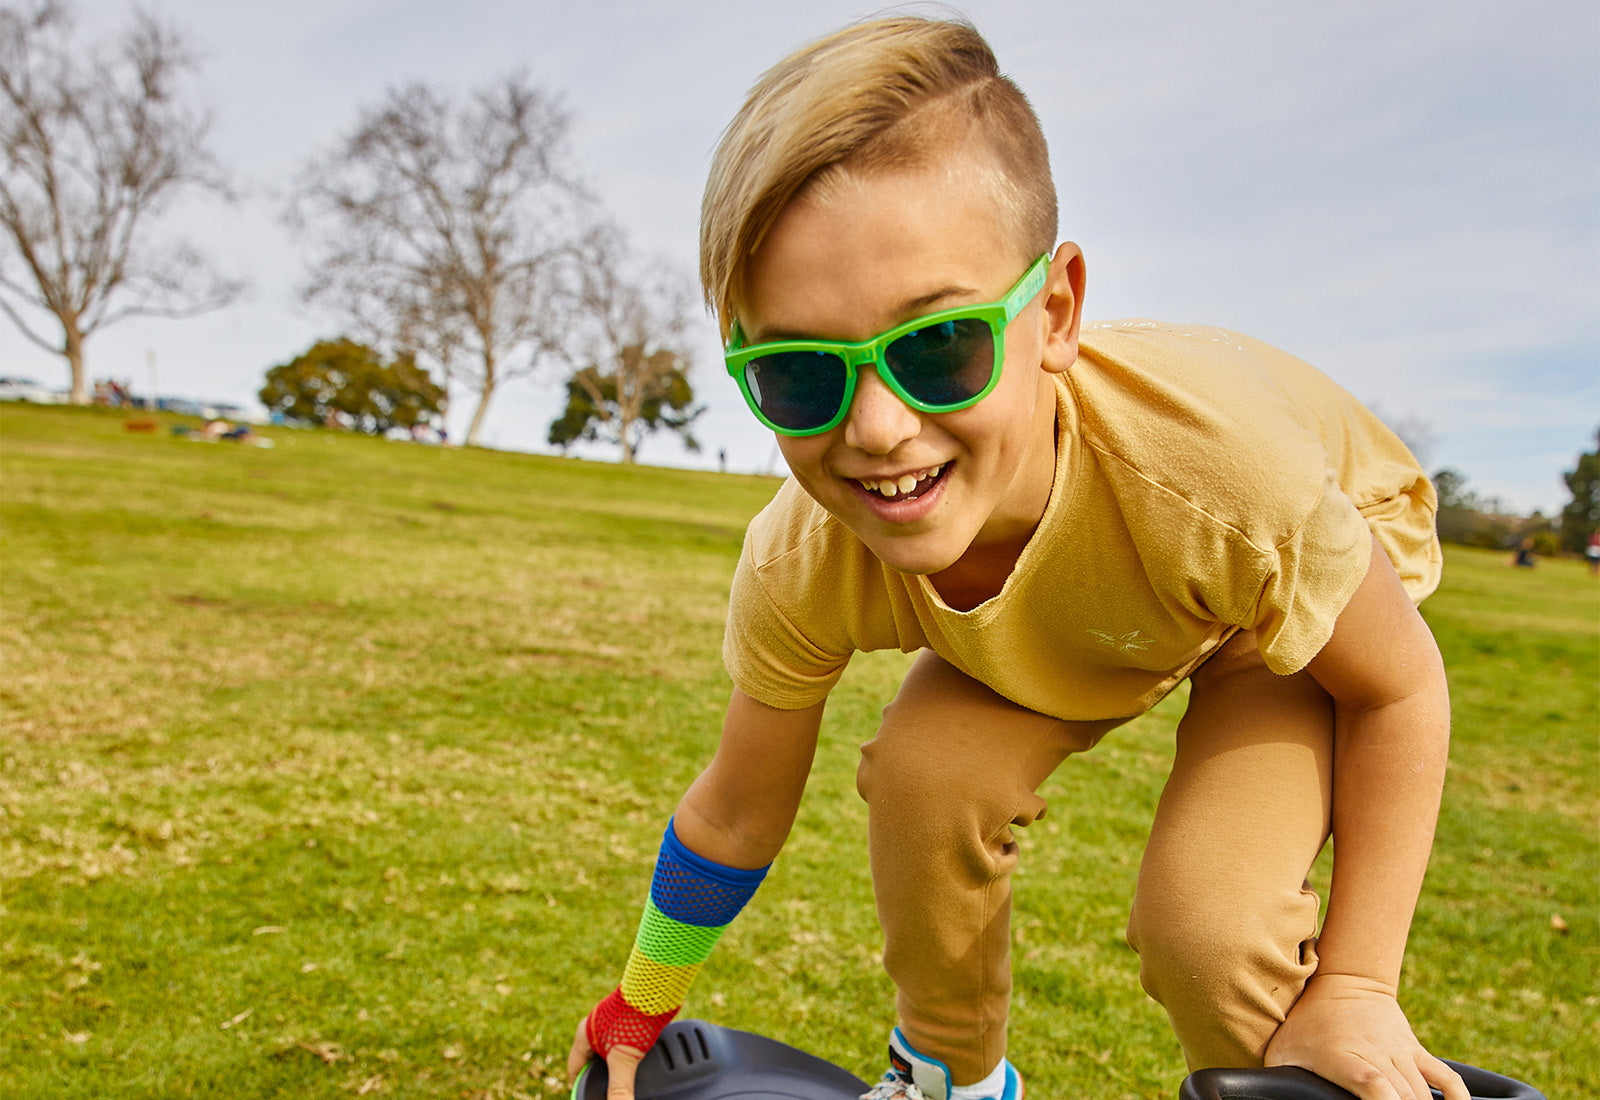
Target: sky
[1405,193]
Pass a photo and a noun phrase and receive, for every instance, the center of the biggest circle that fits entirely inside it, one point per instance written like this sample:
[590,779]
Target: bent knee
[898,771]
[1197,956]
[899,767]
[1196,948]
[918,802]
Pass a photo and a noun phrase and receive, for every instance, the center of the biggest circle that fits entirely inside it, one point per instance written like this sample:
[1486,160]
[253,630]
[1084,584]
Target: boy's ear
[1063,308]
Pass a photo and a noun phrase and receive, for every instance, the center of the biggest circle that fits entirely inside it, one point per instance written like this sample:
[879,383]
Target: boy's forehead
[859,253]
[918,236]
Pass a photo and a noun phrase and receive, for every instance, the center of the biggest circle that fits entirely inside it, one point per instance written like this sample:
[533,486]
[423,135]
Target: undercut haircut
[884,95]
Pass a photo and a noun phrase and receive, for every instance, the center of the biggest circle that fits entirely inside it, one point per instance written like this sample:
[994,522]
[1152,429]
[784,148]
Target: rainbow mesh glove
[692,900]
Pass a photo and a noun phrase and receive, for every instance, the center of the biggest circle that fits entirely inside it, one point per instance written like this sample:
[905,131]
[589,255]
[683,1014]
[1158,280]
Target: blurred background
[1405,194]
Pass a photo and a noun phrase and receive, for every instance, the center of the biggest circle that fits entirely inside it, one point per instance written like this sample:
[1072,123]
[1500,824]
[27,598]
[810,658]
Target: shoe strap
[929,1074]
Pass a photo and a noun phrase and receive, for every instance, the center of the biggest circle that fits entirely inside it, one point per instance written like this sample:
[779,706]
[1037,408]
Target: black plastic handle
[1290,1083]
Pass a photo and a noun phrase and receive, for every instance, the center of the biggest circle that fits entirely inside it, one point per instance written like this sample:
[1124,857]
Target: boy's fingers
[580,1056]
[621,1065]
[1366,1080]
[1415,1083]
[581,1051]
[1445,1079]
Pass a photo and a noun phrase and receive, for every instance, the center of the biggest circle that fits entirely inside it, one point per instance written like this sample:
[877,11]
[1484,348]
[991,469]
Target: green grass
[339,768]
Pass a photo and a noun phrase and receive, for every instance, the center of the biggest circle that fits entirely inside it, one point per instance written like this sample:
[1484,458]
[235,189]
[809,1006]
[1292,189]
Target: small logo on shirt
[1131,642]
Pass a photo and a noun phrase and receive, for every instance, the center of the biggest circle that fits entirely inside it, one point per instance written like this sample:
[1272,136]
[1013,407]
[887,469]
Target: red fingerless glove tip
[614,1022]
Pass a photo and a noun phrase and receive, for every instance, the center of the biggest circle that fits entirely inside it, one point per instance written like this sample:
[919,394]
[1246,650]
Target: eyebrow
[908,310]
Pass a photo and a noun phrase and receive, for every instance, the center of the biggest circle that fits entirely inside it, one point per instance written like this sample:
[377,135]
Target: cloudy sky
[1404,192]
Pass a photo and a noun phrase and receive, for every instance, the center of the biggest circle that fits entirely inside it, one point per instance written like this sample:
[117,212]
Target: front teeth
[903,484]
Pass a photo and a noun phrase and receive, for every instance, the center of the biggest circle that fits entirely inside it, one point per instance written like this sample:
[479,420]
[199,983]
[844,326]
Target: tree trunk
[72,348]
[479,414]
[484,394]
[625,435]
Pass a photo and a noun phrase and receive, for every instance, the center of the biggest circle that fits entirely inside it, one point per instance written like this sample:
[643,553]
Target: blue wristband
[690,888]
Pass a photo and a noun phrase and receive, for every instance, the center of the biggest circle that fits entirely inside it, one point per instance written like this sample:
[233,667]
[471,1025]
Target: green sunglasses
[945,361]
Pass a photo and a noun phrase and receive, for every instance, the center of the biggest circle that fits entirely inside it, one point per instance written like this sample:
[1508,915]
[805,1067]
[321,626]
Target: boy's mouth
[906,486]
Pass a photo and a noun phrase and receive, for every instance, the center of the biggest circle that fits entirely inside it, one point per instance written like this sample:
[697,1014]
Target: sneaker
[913,1076]
[893,1087]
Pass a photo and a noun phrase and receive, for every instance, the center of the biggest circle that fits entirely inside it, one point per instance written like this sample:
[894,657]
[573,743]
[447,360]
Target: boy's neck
[978,575]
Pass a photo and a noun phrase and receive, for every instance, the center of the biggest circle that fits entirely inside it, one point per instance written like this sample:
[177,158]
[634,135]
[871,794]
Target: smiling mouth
[904,487]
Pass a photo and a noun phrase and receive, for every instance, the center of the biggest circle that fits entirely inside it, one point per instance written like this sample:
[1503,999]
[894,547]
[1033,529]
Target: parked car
[26,389]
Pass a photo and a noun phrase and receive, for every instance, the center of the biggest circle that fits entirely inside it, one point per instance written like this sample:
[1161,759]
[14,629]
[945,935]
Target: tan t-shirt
[1205,482]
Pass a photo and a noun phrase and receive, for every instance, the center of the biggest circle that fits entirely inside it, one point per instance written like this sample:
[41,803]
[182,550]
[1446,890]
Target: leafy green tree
[343,383]
[645,393]
[1451,485]
[1580,517]
[1470,519]
[1458,517]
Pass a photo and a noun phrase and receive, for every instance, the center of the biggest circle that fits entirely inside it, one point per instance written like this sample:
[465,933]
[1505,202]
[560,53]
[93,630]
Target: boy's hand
[621,1064]
[1353,1032]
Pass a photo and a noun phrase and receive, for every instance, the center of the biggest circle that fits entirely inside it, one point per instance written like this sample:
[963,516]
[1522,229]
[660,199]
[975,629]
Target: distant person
[722,459]
[1068,521]
[1592,552]
[1523,558]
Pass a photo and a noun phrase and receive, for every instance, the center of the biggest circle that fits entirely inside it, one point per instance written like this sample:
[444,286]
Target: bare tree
[636,316]
[97,146]
[448,230]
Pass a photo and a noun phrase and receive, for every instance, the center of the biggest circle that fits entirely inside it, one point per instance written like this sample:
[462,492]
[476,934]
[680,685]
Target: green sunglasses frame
[998,315]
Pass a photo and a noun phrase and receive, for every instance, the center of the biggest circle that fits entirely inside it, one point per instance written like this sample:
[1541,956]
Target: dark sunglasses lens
[797,390]
[946,363]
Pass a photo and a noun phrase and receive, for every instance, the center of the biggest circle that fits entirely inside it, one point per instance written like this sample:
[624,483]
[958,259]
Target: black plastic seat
[694,1060]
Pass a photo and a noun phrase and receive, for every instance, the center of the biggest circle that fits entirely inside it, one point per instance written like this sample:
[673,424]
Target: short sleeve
[767,655]
[1314,573]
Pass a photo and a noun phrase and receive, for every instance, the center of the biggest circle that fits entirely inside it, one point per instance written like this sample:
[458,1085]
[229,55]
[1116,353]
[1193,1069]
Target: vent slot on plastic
[688,1052]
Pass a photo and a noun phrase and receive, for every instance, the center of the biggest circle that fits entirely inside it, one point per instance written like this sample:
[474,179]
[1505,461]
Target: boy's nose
[878,420]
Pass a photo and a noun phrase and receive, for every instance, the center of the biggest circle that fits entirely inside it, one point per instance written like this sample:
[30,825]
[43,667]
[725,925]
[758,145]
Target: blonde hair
[881,95]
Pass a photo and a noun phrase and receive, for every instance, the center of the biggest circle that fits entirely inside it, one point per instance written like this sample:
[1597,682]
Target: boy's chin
[911,555]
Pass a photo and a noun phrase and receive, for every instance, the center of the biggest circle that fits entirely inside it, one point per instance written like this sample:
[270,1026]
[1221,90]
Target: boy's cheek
[803,456]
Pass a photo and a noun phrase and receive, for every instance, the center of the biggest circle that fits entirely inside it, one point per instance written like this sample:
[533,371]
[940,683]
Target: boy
[1066,529]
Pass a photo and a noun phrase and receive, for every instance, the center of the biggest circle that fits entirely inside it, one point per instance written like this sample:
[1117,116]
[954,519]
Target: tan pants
[1222,918]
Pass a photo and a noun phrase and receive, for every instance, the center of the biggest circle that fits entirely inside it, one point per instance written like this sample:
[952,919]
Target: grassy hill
[338,768]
